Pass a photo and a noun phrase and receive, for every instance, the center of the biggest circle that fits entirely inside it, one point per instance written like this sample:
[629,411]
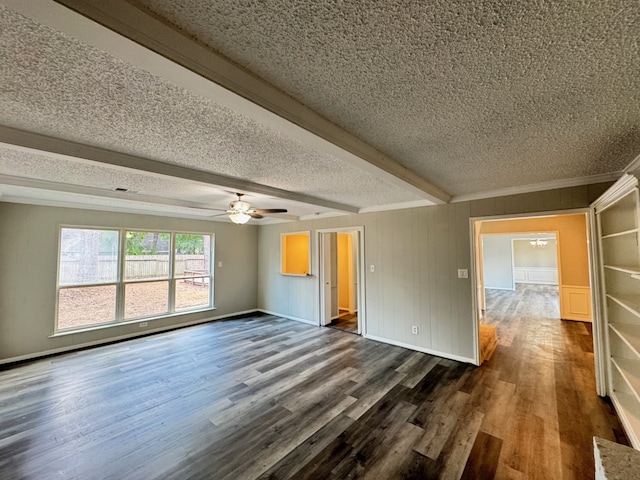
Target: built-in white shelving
[617,213]
[621,234]
[630,302]
[632,269]
[629,371]
[630,334]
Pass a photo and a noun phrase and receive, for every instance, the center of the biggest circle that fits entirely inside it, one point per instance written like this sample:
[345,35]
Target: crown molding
[539,187]
[633,166]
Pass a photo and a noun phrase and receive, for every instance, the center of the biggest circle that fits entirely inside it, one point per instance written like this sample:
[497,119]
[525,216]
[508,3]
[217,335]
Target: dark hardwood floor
[264,397]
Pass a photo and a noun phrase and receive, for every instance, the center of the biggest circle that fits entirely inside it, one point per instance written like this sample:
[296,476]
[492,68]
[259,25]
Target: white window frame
[121,282]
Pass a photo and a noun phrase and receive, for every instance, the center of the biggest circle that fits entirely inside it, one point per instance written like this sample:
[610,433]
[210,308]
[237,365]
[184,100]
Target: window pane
[193,255]
[192,292]
[147,255]
[85,306]
[88,256]
[146,299]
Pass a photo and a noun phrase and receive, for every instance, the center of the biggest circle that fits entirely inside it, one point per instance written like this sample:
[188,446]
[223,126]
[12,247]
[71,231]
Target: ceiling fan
[240,212]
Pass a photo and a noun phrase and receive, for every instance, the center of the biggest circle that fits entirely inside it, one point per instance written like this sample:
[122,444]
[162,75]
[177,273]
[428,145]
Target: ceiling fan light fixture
[239,218]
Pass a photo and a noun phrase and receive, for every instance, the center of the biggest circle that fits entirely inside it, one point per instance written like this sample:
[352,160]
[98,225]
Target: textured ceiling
[55,85]
[472,96]
[468,94]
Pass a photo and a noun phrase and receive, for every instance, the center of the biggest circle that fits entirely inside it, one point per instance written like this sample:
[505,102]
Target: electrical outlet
[414,329]
[143,324]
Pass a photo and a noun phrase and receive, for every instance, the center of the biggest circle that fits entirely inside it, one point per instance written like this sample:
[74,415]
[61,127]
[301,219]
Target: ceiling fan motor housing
[239,206]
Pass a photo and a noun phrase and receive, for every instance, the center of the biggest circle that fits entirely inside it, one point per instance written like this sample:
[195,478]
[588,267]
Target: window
[106,276]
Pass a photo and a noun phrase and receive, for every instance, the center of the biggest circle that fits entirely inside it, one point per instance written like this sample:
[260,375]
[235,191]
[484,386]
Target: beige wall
[416,253]
[28,253]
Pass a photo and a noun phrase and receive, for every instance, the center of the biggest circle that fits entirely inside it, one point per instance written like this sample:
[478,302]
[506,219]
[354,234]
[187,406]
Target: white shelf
[630,302]
[627,407]
[630,371]
[630,334]
[619,234]
[632,269]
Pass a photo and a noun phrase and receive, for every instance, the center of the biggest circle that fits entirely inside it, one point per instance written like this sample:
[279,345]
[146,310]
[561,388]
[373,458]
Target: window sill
[64,333]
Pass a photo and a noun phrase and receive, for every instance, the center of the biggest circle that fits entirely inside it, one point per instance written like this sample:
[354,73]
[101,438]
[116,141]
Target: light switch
[219,264]
[372,268]
[463,273]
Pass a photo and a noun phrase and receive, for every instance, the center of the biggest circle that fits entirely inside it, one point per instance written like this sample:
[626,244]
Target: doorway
[549,262]
[341,289]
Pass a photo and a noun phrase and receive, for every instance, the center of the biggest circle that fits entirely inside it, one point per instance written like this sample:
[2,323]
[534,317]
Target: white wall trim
[289,317]
[633,165]
[598,312]
[538,187]
[421,349]
[624,186]
[118,338]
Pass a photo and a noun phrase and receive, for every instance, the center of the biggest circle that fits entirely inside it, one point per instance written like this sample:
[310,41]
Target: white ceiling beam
[148,43]
[35,142]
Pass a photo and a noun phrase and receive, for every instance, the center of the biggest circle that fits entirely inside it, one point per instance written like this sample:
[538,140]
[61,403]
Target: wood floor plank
[483,459]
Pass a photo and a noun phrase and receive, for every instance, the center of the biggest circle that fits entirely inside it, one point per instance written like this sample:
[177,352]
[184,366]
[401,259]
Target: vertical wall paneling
[416,253]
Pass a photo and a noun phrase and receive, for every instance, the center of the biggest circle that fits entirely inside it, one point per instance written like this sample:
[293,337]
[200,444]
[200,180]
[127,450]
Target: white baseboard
[289,317]
[118,338]
[422,349]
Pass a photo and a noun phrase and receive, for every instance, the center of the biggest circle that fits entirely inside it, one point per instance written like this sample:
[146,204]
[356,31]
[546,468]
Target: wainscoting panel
[576,303]
[536,275]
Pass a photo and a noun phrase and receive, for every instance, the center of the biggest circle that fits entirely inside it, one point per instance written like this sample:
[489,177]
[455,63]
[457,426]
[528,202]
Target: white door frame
[359,245]
[597,323]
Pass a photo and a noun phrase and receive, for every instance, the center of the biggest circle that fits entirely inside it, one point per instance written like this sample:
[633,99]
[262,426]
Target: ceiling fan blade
[269,210]
[254,215]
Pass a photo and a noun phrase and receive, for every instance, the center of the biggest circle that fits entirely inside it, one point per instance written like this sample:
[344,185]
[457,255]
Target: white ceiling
[320,108]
